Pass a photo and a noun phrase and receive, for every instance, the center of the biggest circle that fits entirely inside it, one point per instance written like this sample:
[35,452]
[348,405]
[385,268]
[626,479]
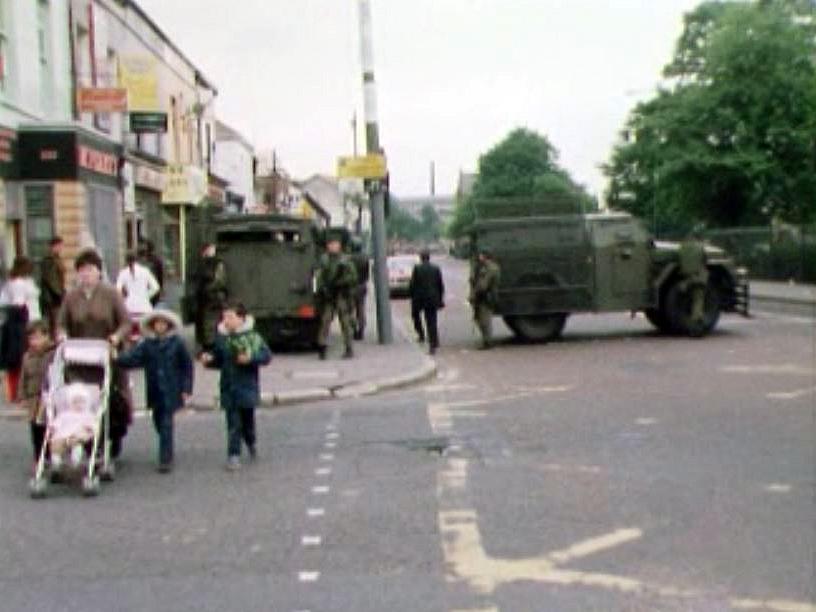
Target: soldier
[210,294]
[484,294]
[52,283]
[363,268]
[336,282]
[693,269]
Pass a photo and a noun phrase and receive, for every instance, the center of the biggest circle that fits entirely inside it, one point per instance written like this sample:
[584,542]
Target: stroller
[77,420]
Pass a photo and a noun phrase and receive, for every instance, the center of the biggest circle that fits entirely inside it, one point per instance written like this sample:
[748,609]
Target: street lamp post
[376,196]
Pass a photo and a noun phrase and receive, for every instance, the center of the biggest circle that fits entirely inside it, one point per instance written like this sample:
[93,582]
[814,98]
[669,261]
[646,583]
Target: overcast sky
[453,76]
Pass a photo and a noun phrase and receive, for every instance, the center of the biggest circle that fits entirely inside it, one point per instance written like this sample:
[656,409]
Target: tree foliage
[523,165]
[731,142]
[403,225]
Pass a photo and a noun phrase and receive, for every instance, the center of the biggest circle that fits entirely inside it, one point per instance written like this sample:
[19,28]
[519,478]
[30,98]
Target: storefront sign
[139,76]
[148,123]
[184,185]
[102,99]
[68,155]
[97,161]
[148,178]
[8,153]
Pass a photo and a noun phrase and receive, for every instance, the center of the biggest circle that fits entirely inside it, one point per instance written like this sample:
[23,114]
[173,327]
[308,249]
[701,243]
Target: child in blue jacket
[238,352]
[168,375]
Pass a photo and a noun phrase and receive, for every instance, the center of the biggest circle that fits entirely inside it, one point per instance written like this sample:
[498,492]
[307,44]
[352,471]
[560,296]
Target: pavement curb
[282,399]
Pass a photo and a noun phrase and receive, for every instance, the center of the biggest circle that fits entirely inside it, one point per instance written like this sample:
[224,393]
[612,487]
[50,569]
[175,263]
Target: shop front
[71,187]
[186,187]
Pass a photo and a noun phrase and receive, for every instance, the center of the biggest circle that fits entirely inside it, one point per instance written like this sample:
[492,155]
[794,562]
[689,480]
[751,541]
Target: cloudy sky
[453,76]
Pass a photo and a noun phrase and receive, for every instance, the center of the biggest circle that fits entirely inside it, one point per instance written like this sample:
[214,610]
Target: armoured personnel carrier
[556,265]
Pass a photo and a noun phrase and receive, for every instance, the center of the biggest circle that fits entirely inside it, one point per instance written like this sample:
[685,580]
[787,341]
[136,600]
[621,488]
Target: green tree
[523,165]
[731,142]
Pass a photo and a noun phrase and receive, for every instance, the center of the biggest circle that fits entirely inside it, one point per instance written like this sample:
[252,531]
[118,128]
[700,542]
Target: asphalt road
[613,470]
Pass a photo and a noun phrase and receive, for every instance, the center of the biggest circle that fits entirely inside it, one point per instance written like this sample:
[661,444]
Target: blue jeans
[163,422]
[240,426]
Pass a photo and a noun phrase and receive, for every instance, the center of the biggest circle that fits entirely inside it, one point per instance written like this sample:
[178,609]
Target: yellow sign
[364,167]
[138,74]
[184,185]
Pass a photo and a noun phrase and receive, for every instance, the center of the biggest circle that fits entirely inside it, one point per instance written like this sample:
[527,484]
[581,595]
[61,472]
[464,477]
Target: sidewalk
[299,376]
[783,292]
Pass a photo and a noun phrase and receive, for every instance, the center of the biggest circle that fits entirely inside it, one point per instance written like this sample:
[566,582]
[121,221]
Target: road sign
[364,166]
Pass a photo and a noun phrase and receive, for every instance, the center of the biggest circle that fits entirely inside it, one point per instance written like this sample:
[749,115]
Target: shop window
[39,201]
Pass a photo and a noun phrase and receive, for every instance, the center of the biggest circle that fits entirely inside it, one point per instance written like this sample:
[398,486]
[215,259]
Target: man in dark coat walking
[427,291]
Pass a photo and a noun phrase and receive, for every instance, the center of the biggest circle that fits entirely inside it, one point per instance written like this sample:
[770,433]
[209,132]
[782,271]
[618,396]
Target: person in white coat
[21,290]
[137,285]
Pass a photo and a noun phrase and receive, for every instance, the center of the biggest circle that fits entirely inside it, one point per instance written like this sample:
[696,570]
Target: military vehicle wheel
[678,311]
[658,318]
[537,328]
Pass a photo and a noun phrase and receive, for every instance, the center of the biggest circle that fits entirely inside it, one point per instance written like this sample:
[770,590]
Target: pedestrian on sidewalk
[52,283]
[238,352]
[22,297]
[336,282]
[168,375]
[137,285]
[149,259]
[35,365]
[427,291]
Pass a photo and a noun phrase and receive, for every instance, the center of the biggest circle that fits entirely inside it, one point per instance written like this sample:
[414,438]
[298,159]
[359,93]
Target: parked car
[400,268]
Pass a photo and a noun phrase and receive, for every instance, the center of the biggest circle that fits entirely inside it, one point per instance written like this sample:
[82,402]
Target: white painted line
[332,435]
[778,487]
[331,445]
[308,576]
[315,512]
[447,388]
[322,490]
[311,541]
[327,457]
[323,471]
[775,368]
[646,421]
[331,427]
[594,545]
[782,395]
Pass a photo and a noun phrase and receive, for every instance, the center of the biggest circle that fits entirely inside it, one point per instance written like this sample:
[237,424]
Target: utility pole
[376,197]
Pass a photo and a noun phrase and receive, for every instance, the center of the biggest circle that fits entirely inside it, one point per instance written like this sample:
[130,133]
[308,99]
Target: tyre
[658,318]
[678,306]
[537,328]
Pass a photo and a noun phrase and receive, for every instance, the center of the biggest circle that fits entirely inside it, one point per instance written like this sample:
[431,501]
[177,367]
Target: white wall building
[234,161]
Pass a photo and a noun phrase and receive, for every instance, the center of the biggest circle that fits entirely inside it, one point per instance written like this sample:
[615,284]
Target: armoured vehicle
[270,263]
[556,265]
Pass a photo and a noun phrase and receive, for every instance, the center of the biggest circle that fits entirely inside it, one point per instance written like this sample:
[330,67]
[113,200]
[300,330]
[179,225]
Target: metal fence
[780,253]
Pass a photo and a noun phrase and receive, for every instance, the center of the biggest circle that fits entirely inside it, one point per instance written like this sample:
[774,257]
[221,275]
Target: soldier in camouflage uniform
[484,294]
[210,295]
[363,268]
[336,283]
[692,261]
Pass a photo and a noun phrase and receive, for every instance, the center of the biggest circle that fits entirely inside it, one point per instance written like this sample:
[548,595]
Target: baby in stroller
[75,417]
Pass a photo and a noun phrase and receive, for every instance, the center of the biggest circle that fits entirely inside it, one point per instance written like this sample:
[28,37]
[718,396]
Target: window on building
[44,51]
[171,241]
[103,121]
[39,203]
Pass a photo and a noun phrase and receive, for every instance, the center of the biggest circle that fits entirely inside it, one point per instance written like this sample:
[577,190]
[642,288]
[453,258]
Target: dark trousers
[163,422]
[419,312]
[37,438]
[240,426]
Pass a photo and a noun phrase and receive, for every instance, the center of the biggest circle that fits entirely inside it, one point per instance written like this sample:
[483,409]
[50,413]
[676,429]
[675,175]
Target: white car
[400,268]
